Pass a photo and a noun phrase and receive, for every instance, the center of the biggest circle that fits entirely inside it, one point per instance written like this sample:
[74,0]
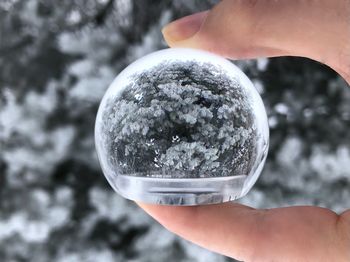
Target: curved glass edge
[184,191]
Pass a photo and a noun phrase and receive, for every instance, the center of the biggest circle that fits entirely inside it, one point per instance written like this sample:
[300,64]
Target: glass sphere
[182,127]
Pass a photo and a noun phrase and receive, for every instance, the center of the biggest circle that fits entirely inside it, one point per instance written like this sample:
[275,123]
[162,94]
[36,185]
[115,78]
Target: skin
[240,29]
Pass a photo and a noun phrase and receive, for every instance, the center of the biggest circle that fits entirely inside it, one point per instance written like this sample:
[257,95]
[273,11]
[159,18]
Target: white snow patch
[281,108]
[93,80]
[110,205]
[90,256]
[331,166]
[262,63]
[31,231]
[290,151]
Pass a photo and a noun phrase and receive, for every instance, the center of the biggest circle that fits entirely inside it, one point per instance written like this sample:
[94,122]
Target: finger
[248,234]
[210,226]
[247,29]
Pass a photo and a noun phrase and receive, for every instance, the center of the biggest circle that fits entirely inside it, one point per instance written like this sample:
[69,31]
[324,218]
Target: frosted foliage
[55,203]
[180,119]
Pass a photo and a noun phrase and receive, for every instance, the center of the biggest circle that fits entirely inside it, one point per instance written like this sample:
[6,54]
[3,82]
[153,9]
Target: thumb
[239,29]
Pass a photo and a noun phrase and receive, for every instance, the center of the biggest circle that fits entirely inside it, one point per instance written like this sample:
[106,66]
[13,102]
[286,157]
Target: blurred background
[56,60]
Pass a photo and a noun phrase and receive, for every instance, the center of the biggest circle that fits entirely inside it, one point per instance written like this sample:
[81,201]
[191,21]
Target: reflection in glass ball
[183,127]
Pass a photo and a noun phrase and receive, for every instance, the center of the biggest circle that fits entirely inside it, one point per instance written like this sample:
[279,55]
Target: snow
[281,109]
[262,63]
[179,98]
[54,197]
[331,166]
[74,17]
[90,256]
[93,80]
[32,231]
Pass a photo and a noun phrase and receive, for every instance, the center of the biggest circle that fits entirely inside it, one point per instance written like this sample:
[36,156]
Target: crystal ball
[181,127]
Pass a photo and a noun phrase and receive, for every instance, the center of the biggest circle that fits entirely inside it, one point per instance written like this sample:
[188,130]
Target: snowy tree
[56,60]
[181,119]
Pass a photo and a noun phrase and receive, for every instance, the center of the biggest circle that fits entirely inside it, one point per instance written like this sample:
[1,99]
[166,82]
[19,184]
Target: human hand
[240,29]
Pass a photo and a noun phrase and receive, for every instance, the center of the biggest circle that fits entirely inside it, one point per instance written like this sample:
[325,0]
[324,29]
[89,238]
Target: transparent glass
[181,127]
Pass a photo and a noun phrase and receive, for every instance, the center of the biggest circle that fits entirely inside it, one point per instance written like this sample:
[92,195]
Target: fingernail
[184,28]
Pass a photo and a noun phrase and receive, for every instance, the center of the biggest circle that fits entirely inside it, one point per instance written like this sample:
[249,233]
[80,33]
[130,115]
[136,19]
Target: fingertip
[180,30]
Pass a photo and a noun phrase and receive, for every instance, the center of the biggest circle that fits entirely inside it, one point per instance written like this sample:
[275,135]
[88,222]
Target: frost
[9,115]
[290,151]
[262,63]
[281,109]
[331,166]
[92,81]
[111,206]
[90,256]
[312,169]
[150,40]
[189,157]
[74,17]
[54,70]
[207,112]
[20,159]
[26,123]
[33,231]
